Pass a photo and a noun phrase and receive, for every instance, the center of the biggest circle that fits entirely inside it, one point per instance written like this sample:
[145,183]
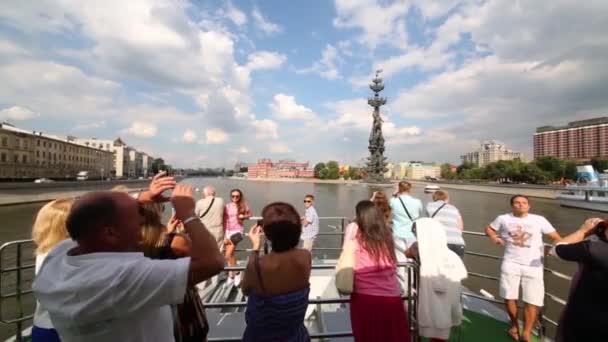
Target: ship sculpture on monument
[376,162]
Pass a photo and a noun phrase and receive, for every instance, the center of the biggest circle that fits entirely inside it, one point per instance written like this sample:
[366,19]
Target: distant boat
[429,189]
[591,195]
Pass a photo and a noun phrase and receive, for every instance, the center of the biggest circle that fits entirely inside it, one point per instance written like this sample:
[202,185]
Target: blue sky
[210,83]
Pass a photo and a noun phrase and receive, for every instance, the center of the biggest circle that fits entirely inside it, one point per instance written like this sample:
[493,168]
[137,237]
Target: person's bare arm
[412,252]
[555,237]
[254,234]
[493,236]
[206,260]
[585,230]
[160,183]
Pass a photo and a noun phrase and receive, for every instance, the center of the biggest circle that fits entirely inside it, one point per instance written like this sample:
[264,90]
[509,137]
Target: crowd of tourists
[109,269]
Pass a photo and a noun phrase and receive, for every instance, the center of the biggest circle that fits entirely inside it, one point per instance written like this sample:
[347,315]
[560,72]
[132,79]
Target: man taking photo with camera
[586,313]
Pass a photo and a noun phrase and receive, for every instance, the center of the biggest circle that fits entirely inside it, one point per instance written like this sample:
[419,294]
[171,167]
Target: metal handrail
[340,232]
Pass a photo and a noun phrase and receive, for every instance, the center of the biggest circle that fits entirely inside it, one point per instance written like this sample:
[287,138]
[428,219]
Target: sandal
[514,334]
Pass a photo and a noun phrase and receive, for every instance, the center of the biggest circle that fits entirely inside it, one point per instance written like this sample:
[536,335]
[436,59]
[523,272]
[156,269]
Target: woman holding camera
[277,283]
[586,313]
[235,213]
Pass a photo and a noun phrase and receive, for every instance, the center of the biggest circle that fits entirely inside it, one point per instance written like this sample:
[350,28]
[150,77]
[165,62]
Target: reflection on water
[478,209]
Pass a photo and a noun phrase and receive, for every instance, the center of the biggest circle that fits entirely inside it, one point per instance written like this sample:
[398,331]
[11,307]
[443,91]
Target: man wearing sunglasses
[310,223]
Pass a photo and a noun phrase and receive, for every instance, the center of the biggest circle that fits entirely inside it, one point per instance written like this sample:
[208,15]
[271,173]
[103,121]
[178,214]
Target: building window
[4,141]
[38,142]
[17,142]
[44,144]
[16,159]
[43,154]
[3,157]
[24,159]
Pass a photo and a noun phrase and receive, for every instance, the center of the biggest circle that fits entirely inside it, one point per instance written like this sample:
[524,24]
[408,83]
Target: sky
[209,83]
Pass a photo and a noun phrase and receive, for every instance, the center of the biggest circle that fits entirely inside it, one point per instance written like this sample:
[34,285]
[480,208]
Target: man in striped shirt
[310,223]
[449,216]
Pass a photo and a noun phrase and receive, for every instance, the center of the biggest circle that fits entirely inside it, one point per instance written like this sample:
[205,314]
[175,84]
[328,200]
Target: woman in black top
[586,313]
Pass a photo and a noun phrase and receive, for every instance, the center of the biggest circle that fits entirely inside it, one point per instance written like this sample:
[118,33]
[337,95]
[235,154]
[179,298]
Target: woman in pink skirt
[377,312]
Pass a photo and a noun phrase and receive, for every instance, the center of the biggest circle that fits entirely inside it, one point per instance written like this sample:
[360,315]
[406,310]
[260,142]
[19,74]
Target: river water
[477,208]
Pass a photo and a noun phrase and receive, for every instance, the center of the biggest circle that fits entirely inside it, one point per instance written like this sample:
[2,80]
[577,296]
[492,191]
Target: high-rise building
[579,140]
[127,161]
[490,152]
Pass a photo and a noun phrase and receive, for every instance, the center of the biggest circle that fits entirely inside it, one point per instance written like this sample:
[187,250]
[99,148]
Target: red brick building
[579,140]
[265,168]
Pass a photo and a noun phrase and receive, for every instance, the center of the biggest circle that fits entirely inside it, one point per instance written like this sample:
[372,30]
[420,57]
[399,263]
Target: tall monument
[376,162]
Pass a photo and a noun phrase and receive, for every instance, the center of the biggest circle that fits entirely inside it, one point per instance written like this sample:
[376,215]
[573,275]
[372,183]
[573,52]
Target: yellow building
[28,155]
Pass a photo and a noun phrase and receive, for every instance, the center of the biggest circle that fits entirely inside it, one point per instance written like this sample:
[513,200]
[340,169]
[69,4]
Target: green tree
[333,170]
[465,166]
[158,164]
[446,171]
[318,168]
[599,164]
[570,170]
[553,167]
[354,173]
[323,174]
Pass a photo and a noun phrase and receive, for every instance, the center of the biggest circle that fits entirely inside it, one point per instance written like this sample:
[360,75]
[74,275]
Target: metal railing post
[18,292]
[342,230]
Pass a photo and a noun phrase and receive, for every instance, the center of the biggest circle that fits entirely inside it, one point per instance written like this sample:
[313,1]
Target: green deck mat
[476,327]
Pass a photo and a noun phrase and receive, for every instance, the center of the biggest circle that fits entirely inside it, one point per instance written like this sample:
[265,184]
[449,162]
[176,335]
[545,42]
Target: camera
[600,230]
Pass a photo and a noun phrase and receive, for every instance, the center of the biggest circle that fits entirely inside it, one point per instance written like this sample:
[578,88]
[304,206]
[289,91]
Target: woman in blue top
[277,284]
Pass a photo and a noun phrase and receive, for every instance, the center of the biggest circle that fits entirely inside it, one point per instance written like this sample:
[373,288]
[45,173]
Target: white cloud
[189,137]
[327,66]
[266,129]
[241,150]
[17,113]
[216,136]
[261,60]
[381,24]
[237,16]
[90,126]
[279,147]
[264,24]
[284,107]
[141,129]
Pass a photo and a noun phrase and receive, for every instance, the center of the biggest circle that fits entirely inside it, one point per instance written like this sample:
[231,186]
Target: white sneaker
[229,282]
[237,280]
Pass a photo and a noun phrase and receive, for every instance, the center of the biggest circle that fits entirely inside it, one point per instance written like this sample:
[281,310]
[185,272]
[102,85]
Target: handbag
[345,269]
[236,238]
[191,323]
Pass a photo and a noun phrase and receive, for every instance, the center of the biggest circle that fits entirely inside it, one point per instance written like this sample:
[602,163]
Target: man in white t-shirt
[99,287]
[521,234]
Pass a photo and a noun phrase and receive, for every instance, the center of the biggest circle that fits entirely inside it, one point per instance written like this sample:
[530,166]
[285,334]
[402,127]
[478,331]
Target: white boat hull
[582,204]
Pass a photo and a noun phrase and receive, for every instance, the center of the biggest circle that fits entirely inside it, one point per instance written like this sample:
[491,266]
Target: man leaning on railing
[97,287]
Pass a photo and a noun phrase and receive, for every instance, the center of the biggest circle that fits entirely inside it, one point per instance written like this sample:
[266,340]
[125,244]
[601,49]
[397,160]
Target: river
[477,208]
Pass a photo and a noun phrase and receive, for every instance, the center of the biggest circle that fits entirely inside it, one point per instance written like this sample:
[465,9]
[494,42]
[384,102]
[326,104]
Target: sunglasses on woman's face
[307,201]
[235,196]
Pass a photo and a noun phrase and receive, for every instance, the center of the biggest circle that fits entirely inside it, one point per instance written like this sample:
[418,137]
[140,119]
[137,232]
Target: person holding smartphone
[585,314]
[235,213]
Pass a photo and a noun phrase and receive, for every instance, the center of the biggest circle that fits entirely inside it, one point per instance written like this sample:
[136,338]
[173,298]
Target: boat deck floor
[476,327]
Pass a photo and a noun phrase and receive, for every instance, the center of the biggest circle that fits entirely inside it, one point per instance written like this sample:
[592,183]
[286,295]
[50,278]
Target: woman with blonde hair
[48,230]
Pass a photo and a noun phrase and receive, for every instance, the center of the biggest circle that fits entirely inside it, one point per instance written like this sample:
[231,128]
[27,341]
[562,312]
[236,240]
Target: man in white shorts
[521,235]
